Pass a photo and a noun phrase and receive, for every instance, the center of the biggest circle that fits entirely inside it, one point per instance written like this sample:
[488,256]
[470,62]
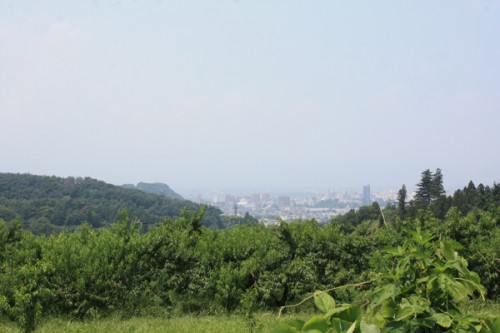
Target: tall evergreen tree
[402,201]
[424,189]
[436,186]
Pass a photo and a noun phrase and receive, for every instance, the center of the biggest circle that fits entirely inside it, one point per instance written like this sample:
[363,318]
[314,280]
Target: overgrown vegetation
[423,290]
[182,267]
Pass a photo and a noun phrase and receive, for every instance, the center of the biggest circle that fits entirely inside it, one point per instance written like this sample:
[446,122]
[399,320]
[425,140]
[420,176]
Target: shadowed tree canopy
[47,204]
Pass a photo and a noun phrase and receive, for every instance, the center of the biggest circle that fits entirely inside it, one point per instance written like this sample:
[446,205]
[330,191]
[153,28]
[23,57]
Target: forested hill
[155,188]
[46,204]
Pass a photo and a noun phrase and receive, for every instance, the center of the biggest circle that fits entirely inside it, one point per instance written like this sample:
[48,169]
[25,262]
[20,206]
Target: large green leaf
[383,293]
[396,327]
[456,289]
[316,323]
[447,250]
[403,266]
[336,325]
[350,314]
[442,320]
[283,328]
[352,328]
[368,328]
[411,307]
[388,308]
[297,324]
[405,313]
[335,311]
[396,252]
[424,322]
[323,301]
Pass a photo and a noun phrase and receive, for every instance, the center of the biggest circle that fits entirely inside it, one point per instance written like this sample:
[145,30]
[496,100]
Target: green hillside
[46,204]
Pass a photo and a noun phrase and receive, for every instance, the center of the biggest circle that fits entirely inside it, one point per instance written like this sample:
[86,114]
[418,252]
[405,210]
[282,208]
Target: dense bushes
[181,266]
[422,290]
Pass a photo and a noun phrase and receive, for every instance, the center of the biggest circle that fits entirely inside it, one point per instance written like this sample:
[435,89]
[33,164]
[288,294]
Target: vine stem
[494,264]
[383,216]
[323,291]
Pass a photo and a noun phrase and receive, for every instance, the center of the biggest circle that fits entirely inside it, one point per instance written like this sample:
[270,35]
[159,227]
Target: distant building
[265,197]
[235,208]
[229,199]
[255,198]
[198,199]
[284,201]
[217,198]
[367,197]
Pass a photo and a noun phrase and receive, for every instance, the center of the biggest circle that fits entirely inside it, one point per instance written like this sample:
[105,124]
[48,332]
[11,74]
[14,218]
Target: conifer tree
[436,187]
[402,201]
[424,189]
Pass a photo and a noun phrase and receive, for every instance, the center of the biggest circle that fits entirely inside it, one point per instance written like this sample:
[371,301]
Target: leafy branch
[315,294]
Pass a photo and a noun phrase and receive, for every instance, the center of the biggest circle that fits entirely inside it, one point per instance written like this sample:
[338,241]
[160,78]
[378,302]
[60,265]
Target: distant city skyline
[320,205]
[267,95]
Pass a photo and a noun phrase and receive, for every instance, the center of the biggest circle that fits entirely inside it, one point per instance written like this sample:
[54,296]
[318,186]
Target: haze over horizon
[242,94]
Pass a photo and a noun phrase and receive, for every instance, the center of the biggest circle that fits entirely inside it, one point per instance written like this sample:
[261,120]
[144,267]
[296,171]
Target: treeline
[47,205]
[430,195]
[181,266]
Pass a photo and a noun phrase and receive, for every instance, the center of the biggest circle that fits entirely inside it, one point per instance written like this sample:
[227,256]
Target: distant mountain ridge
[46,204]
[155,188]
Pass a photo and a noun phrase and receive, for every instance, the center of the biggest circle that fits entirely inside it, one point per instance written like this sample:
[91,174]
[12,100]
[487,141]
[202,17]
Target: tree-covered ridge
[46,204]
[155,188]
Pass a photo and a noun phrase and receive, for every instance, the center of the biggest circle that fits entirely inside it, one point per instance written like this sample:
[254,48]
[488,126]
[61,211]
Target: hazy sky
[262,94]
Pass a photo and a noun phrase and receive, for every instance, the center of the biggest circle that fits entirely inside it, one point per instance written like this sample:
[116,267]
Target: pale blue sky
[261,94]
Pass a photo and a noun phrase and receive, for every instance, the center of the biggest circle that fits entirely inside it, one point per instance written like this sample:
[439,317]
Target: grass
[263,322]
[483,309]
[183,324]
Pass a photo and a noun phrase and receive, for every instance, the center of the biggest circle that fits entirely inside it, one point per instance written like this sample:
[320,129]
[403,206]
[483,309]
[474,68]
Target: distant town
[268,208]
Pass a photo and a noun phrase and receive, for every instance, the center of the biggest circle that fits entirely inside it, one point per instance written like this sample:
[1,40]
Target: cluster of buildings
[270,208]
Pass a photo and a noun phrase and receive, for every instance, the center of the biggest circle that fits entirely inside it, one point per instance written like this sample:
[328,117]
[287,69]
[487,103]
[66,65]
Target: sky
[259,94]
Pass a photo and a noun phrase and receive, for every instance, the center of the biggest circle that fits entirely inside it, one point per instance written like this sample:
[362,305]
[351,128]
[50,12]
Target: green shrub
[423,291]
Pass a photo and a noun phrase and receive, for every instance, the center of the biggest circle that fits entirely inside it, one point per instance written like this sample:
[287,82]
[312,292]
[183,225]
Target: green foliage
[436,187]
[335,318]
[180,266]
[23,282]
[47,205]
[423,291]
[431,196]
[424,192]
[349,221]
[402,201]
[425,287]
[481,197]
[235,323]
[232,220]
